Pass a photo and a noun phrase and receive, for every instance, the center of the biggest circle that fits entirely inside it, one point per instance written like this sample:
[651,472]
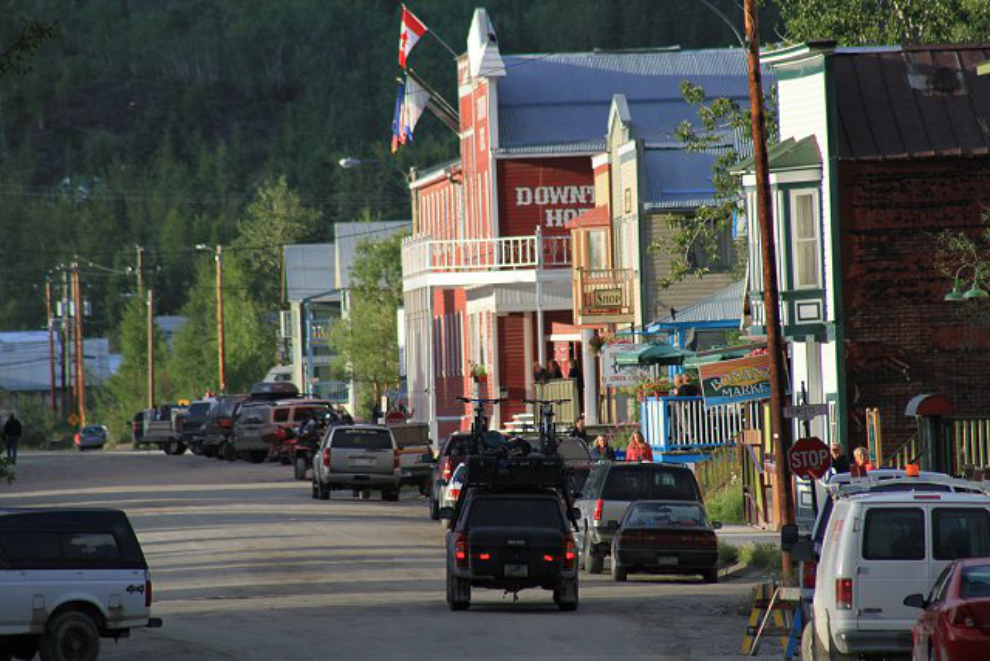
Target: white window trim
[816,225]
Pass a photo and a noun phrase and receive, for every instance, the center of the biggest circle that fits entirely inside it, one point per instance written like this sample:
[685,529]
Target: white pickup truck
[365,457]
[67,579]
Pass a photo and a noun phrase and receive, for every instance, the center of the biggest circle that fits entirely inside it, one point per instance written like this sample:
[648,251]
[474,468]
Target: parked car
[92,437]
[162,427]
[137,428]
[365,457]
[193,424]
[665,537]
[511,531]
[218,430]
[879,548]
[70,578]
[262,428]
[955,622]
[451,492]
[454,451]
[608,492]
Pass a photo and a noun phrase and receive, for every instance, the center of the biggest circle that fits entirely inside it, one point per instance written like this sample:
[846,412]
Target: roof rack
[533,471]
[843,484]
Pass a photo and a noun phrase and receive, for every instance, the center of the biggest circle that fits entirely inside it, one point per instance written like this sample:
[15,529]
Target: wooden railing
[721,468]
[604,295]
[907,453]
[426,255]
[971,442]
[675,423]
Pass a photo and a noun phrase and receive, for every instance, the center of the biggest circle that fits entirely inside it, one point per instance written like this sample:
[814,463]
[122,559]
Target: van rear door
[893,563]
[958,531]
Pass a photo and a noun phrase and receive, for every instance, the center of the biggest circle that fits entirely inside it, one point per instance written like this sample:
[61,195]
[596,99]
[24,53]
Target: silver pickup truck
[360,458]
[161,427]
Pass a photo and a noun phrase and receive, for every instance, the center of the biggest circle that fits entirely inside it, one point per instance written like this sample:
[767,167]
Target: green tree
[366,340]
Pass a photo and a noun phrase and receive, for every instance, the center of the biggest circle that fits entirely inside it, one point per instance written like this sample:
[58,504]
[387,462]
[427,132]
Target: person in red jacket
[638,449]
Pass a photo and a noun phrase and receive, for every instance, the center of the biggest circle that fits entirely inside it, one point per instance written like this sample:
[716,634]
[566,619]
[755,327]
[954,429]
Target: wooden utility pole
[80,356]
[140,270]
[51,343]
[151,350]
[779,428]
[218,255]
[64,330]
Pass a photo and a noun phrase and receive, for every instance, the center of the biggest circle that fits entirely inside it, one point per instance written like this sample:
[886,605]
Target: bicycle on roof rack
[547,428]
[479,423]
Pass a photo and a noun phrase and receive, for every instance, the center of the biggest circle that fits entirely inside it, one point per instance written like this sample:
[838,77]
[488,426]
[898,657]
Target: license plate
[516,571]
[666,560]
[362,462]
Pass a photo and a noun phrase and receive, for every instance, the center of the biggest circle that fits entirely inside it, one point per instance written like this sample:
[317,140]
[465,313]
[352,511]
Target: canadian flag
[409,33]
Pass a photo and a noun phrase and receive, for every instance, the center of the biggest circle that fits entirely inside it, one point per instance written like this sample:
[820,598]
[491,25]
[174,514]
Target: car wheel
[813,650]
[70,636]
[434,510]
[322,490]
[424,489]
[179,449]
[566,596]
[458,592]
[366,495]
[315,488]
[258,456]
[228,452]
[197,449]
[300,468]
[619,572]
[710,576]
[593,564]
[391,496]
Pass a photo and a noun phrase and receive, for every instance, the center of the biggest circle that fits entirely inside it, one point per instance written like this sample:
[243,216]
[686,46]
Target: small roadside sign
[806,411]
[809,458]
[73,419]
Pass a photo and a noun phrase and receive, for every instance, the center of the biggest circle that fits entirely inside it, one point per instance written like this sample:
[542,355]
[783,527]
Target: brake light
[147,591]
[928,496]
[599,506]
[484,556]
[809,571]
[570,552]
[448,469]
[226,424]
[844,594]
[961,617]
[455,493]
[461,550]
[326,458]
[547,558]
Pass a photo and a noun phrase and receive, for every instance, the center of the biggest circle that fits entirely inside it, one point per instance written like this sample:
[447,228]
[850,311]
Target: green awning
[652,354]
[704,359]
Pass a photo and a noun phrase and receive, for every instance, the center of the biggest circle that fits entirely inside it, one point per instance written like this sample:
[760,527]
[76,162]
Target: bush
[40,427]
[726,504]
[728,555]
[761,556]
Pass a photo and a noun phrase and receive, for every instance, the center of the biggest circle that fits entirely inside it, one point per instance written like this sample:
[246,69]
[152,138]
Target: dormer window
[806,267]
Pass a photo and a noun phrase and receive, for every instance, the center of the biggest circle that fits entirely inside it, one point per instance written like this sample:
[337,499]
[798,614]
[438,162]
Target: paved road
[247,566]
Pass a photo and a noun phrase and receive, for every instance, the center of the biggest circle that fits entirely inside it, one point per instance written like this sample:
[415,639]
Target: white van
[878,549]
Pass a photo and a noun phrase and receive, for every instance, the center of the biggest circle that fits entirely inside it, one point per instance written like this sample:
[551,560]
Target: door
[893,563]
[958,532]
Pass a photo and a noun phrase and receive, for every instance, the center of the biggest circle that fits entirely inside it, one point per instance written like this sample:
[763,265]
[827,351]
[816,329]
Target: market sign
[617,376]
[740,380]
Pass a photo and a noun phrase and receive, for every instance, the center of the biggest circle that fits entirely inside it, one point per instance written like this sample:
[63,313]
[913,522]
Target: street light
[218,256]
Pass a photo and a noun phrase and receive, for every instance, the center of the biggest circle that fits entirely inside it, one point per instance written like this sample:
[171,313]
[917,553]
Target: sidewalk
[738,534]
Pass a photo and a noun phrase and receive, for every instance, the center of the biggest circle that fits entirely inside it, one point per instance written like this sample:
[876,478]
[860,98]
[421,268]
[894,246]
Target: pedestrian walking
[12,435]
[638,449]
[601,450]
[577,375]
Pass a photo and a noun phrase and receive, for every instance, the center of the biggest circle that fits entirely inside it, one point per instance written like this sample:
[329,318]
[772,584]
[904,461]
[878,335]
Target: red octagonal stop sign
[809,458]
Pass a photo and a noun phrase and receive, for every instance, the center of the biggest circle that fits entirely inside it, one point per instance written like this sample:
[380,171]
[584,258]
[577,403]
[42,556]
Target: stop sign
[809,458]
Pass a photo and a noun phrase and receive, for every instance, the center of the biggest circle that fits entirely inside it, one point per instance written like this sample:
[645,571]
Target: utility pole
[218,255]
[51,342]
[80,356]
[140,270]
[64,336]
[779,428]
[151,351]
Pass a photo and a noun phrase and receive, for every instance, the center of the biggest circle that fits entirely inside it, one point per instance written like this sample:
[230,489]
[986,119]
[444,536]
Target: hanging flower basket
[479,373]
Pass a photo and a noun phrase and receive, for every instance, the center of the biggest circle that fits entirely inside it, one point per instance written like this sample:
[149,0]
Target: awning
[716,355]
[652,354]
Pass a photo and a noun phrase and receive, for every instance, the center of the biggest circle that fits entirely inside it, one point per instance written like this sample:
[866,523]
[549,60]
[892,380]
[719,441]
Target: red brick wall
[902,338]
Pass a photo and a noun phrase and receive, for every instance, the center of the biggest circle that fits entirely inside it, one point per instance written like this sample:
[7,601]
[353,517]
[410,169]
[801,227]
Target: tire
[365,495]
[391,496]
[319,490]
[434,509]
[178,449]
[813,650]
[70,636]
[593,564]
[619,572]
[458,592]
[258,456]
[710,576]
[424,489]
[228,451]
[566,596]
[285,460]
[300,468]
[197,449]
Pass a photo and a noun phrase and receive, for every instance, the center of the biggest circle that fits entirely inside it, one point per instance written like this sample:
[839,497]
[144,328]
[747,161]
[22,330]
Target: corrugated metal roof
[677,179]
[582,147]
[912,103]
[565,98]
[24,361]
[309,270]
[723,305]
[348,236]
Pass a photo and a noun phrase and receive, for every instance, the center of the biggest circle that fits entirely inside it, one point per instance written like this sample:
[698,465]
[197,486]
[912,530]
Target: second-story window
[597,246]
[804,215]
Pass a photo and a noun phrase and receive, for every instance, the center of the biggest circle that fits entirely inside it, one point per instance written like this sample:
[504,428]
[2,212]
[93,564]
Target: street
[247,566]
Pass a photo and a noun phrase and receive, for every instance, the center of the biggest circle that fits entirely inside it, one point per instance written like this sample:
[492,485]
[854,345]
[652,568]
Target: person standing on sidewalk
[12,434]
[638,449]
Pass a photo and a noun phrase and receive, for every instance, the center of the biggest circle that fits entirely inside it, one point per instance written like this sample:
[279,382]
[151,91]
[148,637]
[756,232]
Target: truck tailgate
[522,553]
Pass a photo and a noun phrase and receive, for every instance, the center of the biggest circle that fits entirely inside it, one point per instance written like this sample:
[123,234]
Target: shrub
[726,504]
[728,555]
[761,556]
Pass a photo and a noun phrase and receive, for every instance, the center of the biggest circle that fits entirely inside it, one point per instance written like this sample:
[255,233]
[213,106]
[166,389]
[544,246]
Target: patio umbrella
[652,354]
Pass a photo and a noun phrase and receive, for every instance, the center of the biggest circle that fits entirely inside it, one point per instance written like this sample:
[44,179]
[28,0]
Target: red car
[955,624]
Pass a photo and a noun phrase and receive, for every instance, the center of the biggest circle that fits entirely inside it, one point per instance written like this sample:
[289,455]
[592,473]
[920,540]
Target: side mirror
[446,513]
[716,525]
[789,536]
[576,513]
[916,601]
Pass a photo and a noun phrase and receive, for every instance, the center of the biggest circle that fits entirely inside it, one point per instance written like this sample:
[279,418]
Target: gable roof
[348,236]
[919,102]
[724,305]
[552,100]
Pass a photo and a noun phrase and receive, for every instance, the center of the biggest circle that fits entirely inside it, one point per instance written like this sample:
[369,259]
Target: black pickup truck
[511,530]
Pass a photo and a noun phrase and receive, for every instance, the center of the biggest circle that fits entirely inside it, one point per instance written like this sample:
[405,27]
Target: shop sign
[606,299]
[739,380]
[614,376]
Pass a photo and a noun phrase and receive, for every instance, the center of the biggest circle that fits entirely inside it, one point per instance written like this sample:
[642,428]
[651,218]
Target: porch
[684,423]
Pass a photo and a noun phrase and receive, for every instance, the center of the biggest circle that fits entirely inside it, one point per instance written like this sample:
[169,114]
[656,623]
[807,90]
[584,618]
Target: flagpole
[442,43]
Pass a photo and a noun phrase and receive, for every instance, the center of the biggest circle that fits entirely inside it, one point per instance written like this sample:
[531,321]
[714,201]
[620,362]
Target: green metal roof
[652,354]
[790,154]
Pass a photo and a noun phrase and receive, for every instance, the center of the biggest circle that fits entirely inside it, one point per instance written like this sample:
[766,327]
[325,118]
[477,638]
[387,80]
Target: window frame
[793,195]
[876,511]
[937,514]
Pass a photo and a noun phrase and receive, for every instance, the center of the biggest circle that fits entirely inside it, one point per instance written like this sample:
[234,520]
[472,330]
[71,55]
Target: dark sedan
[665,537]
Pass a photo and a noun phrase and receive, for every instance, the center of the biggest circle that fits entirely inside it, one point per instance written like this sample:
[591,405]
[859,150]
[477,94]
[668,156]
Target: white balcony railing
[426,255]
[676,423]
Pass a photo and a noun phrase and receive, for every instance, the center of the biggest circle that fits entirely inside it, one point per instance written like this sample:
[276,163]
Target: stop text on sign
[809,458]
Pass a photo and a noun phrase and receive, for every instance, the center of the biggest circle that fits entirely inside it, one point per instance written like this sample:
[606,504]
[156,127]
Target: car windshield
[975,582]
[663,515]
[92,429]
[649,483]
[361,439]
[515,513]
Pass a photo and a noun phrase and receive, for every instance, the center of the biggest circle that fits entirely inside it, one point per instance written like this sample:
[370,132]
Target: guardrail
[677,423]
[426,255]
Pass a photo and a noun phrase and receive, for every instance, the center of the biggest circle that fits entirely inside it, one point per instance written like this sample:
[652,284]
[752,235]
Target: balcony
[464,261]
[604,296]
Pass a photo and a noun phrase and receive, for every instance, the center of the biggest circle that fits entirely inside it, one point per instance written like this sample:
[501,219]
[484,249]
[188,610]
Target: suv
[219,426]
[880,548]
[511,530]
[609,490]
[70,577]
[193,423]
[261,427]
[364,457]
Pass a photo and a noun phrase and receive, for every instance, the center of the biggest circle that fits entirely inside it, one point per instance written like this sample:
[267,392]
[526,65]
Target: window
[721,262]
[518,513]
[89,546]
[281,415]
[361,439]
[21,546]
[804,216]
[49,547]
[665,515]
[597,250]
[975,582]
[645,483]
[960,533]
[894,534]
